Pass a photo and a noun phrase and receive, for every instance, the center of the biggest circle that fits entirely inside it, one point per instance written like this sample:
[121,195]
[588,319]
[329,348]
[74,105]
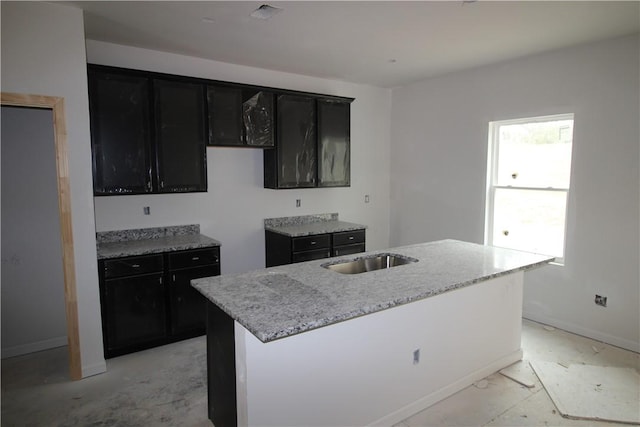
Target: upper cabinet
[147,135]
[293,163]
[313,146]
[150,131]
[180,136]
[334,144]
[240,117]
[120,133]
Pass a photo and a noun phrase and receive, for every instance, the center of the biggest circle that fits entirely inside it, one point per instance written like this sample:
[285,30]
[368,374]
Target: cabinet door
[135,313]
[187,305]
[180,136]
[296,146]
[334,146]
[225,115]
[120,133]
[257,118]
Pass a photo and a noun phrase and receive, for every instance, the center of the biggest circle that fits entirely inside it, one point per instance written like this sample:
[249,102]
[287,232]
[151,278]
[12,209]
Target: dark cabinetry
[281,249]
[187,305]
[347,242]
[334,144]
[148,301]
[240,117]
[293,163]
[180,136]
[133,303]
[313,144]
[120,133]
[147,134]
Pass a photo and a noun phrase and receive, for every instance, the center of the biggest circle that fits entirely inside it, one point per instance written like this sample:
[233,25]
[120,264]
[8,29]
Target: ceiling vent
[265,12]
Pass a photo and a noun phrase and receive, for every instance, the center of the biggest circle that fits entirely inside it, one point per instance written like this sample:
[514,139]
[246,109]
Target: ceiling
[380,43]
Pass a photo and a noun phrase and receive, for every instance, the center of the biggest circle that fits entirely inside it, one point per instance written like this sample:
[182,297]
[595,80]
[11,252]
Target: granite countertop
[306,225]
[145,241]
[286,300]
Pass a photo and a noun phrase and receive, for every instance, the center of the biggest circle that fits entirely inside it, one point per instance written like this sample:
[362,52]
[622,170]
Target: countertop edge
[152,246]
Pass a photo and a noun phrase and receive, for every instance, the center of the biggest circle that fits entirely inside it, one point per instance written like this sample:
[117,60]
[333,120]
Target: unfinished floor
[167,386]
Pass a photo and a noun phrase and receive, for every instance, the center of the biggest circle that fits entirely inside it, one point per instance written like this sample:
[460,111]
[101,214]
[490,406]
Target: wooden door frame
[56,104]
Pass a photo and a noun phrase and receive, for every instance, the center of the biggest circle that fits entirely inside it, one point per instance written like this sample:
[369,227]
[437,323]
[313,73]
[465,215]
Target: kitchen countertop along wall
[306,225]
[144,241]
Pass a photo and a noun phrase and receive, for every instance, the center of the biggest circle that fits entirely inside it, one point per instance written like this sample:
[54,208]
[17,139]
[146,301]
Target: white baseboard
[443,393]
[94,369]
[585,332]
[33,347]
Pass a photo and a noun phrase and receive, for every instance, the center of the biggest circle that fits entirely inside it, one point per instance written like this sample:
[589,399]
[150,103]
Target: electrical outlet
[366,198]
[146,210]
[600,300]
[298,203]
[416,356]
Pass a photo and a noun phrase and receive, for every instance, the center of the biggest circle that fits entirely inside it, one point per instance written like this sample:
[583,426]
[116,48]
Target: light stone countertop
[316,228]
[307,225]
[146,241]
[281,301]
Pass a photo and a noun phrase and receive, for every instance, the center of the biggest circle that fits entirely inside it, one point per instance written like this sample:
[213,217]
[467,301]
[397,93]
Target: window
[529,167]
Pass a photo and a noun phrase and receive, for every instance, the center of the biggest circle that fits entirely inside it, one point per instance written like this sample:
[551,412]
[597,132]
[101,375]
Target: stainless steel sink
[370,263]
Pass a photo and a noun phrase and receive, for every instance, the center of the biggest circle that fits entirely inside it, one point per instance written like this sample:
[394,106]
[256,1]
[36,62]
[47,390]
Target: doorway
[69,300]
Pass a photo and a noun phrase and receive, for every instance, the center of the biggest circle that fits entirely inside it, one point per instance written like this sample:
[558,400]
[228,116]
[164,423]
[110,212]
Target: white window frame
[492,176]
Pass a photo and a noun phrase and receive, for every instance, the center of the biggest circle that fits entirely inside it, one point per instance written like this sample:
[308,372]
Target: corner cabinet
[313,146]
[147,301]
[147,134]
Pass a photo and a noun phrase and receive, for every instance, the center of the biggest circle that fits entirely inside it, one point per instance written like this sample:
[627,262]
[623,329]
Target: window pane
[530,220]
[535,154]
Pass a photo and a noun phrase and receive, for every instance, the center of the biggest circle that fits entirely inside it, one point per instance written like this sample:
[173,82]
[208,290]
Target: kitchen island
[302,344]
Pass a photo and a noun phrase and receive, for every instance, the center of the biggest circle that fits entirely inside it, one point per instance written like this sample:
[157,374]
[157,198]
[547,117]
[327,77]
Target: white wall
[43,53]
[236,203]
[33,311]
[361,372]
[438,172]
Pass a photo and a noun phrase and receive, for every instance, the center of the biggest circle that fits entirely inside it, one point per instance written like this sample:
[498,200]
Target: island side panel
[361,371]
[221,368]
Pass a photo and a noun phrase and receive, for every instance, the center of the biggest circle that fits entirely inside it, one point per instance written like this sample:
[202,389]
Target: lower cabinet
[281,249]
[148,300]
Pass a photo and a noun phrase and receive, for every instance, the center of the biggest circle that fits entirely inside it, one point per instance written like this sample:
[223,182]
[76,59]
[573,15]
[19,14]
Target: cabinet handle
[312,242]
[195,258]
[351,237]
[337,252]
[174,278]
[160,280]
[135,265]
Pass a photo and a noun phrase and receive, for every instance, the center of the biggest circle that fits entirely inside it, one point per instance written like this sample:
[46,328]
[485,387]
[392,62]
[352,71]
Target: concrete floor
[167,386]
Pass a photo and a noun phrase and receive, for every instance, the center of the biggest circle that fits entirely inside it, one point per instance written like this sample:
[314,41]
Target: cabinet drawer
[309,243]
[194,258]
[347,249]
[132,266]
[348,237]
[310,255]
